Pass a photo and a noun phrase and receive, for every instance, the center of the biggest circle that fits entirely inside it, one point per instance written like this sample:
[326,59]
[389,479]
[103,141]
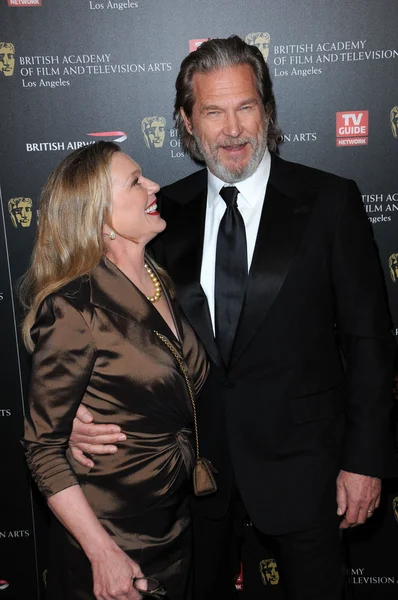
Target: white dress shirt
[250,204]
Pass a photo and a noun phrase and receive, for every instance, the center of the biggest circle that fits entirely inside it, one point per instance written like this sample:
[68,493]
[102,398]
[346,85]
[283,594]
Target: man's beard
[233,173]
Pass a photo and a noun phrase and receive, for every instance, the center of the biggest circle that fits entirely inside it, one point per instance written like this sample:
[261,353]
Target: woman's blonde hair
[74,205]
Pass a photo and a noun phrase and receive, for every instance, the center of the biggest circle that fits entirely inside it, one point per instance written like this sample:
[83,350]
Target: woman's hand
[113,570]
[113,574]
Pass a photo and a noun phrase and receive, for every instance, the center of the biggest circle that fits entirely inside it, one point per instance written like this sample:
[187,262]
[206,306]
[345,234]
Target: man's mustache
[233,143]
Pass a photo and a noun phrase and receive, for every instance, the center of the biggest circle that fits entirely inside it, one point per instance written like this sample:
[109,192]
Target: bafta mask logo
[262,40]
[393,267]
[395,507]
[269,571]
[154,131]
[20,210]
[7,59]
[394,121]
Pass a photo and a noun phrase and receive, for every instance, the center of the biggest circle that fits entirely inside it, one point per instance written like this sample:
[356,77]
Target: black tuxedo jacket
[308,388]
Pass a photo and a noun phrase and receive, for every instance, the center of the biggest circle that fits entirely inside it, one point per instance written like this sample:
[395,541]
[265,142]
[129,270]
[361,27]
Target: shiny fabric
[230,272]
[96,344]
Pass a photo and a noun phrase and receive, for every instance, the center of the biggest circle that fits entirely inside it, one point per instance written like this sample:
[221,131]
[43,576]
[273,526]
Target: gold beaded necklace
[156,284]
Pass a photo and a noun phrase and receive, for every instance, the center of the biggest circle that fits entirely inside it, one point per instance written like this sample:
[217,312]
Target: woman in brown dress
[104,330]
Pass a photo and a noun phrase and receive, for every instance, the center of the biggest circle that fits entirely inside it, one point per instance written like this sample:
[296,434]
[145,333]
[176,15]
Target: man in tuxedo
[275,267]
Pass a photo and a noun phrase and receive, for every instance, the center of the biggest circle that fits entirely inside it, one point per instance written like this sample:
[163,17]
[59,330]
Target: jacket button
[230,385]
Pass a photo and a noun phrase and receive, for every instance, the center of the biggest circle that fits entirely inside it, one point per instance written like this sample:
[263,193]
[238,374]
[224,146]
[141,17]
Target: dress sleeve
[62,363]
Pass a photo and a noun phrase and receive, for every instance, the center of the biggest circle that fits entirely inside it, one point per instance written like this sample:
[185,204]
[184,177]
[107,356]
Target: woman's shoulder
[76,293]
[65,315]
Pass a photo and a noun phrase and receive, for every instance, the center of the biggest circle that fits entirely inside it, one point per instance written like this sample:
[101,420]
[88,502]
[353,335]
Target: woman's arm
[62,365]
[113,570]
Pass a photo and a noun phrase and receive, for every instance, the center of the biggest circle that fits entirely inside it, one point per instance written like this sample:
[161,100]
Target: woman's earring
[112,234]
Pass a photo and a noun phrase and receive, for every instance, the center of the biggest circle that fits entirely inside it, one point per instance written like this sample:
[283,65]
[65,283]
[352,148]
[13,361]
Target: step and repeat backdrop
[76,71]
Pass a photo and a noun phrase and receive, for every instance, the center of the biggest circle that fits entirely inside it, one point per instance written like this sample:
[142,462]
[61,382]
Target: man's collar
[260,175]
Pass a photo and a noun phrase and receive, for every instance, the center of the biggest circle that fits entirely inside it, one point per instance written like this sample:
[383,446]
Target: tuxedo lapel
[282,224]
[184,251]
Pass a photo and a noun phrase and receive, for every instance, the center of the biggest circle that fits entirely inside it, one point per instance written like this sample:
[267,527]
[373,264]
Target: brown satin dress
[96,344]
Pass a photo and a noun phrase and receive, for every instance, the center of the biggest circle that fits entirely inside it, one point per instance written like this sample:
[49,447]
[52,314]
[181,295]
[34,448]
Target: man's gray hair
[213,55]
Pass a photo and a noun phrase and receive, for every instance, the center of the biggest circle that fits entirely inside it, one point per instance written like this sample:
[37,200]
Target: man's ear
[187,121]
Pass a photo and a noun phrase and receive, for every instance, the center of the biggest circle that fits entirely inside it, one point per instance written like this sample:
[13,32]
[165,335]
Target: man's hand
[91,438]
[357,496]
